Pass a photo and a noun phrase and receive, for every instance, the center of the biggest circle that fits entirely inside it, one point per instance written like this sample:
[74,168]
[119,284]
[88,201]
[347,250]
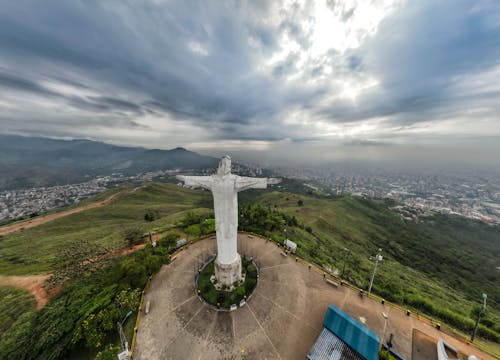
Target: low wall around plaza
[325,275]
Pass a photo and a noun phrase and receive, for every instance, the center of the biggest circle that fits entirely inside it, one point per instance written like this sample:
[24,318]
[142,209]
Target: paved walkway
[281,321]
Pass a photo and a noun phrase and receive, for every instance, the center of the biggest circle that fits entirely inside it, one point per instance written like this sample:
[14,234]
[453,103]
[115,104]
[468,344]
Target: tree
[207,226]
[134,272]
[133,236]
[193,230]
[169,240]
[300,202]
[150,215]
[190,219]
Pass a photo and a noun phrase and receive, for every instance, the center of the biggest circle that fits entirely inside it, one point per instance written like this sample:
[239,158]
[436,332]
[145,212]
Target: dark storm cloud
[207,64]
[142,49]
[103,104]
[10,81]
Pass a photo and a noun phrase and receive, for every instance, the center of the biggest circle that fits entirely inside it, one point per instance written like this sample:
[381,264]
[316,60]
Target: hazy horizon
[391,82]
[360,158]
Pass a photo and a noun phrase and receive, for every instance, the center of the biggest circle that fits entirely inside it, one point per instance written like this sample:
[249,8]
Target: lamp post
[346,254]
[385,316]
[377,258]
[481,313]
[123,355]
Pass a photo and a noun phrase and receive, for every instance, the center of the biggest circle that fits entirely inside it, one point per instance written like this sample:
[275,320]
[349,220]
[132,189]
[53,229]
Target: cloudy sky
[323,79]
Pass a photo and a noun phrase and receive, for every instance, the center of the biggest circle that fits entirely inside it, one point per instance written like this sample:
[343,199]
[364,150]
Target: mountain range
[33,161]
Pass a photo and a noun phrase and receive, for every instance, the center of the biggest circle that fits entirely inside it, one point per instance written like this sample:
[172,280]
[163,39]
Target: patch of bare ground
[34,284]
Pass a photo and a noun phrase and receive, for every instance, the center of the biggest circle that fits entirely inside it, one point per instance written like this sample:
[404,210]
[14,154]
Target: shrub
[150,215]
[109,353]
[133,236]
[385,355]
[207,226]
[84,314]
[193,230]
[169,240]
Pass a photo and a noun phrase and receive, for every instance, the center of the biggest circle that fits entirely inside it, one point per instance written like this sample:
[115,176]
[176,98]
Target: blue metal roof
[330,347]
[352,332]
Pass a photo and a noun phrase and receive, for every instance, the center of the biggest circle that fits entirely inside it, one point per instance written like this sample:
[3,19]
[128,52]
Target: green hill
[33,250]
[439,265]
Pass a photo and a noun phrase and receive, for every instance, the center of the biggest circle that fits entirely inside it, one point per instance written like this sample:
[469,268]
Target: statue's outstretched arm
[196,181]
[244,183]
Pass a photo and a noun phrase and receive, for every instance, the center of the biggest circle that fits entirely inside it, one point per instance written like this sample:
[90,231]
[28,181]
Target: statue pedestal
[228,274]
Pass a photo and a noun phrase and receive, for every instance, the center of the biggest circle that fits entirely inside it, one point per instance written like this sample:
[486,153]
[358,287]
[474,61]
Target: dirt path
[118,252]
[9,229]
[33,283]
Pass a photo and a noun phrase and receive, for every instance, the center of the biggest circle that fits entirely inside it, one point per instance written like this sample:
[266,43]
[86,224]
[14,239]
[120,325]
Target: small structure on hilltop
[180,243]
[225,187]
[290,245]
[344,338]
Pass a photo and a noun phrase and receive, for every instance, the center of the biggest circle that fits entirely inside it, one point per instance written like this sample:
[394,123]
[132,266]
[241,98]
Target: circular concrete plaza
[281,320]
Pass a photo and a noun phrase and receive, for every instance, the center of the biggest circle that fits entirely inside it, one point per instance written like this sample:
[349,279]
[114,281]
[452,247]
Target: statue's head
[224,165]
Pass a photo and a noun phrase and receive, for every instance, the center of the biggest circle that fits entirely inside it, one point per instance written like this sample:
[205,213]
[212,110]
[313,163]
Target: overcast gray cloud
[251,75]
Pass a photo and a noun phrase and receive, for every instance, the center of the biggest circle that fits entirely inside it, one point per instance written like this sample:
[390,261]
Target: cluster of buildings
[24,203]
[472,196]
[475,197]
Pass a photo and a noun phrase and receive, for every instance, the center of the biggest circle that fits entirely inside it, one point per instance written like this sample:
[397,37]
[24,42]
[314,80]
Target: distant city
[25,203]
[475,197]
[471,196]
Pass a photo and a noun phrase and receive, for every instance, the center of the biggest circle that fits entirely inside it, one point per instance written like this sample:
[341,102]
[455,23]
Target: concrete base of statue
[228,276]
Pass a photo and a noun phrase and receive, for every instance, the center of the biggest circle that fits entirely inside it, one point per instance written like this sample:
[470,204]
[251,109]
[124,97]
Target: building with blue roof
[343,337]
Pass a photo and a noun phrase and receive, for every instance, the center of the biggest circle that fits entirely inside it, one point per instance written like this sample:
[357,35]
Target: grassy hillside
[460,252]
[439,265]
[33,251]
[13,304]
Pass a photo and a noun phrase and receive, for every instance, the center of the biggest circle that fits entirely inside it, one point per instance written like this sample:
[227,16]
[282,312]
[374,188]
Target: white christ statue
[225,187]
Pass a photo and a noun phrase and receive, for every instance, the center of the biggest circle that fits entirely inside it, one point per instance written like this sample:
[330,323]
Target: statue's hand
[272,181]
